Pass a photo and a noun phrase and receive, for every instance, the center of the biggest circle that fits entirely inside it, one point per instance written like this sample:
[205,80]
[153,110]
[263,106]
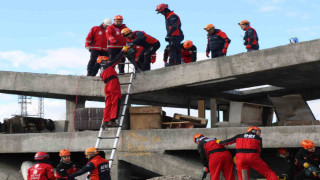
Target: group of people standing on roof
[97,167]
[109,38]
[216,158]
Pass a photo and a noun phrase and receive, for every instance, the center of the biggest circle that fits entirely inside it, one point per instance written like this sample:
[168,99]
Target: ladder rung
[125,83]
[106,149]
[108,137]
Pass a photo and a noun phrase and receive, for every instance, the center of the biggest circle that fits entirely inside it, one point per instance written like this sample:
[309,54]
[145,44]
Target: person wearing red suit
[248,148]
[112,88]
[139,58]
[43,170]
[150,46]
[96,43]
[215,157]
[116,41]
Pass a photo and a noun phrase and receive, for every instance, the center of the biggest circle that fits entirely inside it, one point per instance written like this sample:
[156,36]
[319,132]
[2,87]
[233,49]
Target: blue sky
[48,36]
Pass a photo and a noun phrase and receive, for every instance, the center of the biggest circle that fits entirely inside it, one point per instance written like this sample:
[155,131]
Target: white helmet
[107,21]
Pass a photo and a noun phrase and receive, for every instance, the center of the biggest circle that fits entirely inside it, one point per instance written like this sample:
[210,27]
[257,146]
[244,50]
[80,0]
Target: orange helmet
[91,150]
[41,156]
[253,129]
[102,58]
[282,151]
[64,152]
[244,22]
[118,17]
[196,136]
[209,27]
[188,44]
[125,31]
[307,144]
[162,7]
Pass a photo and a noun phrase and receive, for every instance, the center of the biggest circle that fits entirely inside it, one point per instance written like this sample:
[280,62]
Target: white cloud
[58,59]
[269,8]
[69,34]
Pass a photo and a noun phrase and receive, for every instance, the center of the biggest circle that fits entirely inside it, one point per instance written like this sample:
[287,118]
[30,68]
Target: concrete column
[70,105]
[201,109]
[213,112]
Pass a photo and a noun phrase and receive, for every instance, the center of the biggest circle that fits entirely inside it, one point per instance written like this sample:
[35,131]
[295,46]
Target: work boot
[113,124]
[105,124]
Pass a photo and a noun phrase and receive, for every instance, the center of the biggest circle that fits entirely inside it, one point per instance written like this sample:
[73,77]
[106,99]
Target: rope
[74,114]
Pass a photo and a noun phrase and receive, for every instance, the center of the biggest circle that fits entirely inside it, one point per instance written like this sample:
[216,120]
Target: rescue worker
[308,155]
[188,53]
[112,88]
[290,170]
[250,37]
[174,33]
[140,38]
[43,170]
[218,42]
[66,166]
[215,157]
[116,41]
[138,58]
[96,43]
[248,148]
[97,166]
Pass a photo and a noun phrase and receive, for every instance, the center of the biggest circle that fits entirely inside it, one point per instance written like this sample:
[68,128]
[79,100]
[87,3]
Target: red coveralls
[217,157]
[41,171]
[248,147]
[112,89]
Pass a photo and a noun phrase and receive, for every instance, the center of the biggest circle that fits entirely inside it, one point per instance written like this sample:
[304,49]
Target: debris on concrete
[178,177]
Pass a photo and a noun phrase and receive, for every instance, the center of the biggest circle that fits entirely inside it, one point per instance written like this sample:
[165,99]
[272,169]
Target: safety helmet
[244,22]
[282,151]
[125,31]
[118,17]
[253,129]
[307,144]
[196,136]
[188,44]
[102,58]
[209,27]
[91,150]
[107,21]
[64,152]
[162,7]
[41,156]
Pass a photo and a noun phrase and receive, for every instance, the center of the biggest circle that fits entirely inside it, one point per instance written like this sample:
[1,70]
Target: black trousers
[113,53]
[174,50]
[93,66]
[144,59]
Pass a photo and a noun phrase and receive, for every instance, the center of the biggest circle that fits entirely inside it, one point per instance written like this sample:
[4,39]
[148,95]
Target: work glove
[218,141]
[207,54]
[113,40]
[125,48]
[224,51]
[205,171]
[167,38]
[166,64]
[305,165]
[248,46]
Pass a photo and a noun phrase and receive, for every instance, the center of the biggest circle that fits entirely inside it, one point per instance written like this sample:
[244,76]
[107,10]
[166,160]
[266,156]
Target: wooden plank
[196,120]
[201,109]
[213,112]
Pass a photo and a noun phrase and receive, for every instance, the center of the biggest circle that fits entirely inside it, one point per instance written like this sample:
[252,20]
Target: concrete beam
[146,141]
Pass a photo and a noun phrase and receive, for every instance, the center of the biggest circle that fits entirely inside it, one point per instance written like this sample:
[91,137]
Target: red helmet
[253,129]
[188,44]
[118,17]
[196,136]
[162,7]
[41,156]
[307,144]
